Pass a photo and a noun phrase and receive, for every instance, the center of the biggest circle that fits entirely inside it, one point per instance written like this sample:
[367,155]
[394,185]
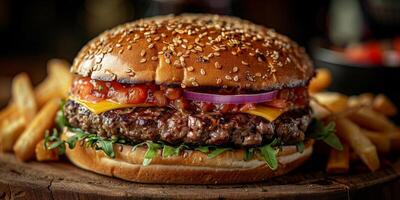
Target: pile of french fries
[362,124]
[31,112]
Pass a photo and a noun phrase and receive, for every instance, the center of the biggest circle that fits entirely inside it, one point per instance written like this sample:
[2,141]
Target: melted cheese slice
[268,113]
[103,106]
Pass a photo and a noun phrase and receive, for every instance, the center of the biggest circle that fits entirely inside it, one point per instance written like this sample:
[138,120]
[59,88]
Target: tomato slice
[95,91]
[90,90]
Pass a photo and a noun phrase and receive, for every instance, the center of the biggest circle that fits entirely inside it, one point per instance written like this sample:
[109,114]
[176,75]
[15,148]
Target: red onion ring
[230,99]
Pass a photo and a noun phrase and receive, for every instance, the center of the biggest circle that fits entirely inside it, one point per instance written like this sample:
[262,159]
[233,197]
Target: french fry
[10,129]
[42,154]
[364,99]
[394,139]
[338,161]
[370,119]
[59,70]
[25,146]
[336,102]
[380,139]
[384,105]
[321,81]
[46,90]
[351,133]
[319,111]
[24,97]
[7,111]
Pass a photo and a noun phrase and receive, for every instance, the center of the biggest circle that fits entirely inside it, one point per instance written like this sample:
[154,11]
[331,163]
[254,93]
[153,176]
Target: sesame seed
[121,51]
[236,78]
[190,68]
[118,45]
[177,63]
[244,63]
[233,53]
[219,81]
[217,65]
[216,54]
[143,53]
[198,48]
[143,60]
[129,47]
[154,58]
[167,60]
[227,77]
[235,69]
[151,45]
[258,74]
[202,72]
[194,83]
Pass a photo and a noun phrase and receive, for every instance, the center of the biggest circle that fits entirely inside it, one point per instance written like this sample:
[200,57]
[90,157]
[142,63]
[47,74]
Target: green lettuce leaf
[268,152]
[300,147]
[319,131]
[107,147]
[152,149]
[217,152]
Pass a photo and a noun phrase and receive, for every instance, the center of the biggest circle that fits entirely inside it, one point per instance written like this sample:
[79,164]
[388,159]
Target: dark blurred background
[32,32]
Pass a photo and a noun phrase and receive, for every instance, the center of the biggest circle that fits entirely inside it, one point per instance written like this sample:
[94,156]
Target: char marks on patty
[175,127]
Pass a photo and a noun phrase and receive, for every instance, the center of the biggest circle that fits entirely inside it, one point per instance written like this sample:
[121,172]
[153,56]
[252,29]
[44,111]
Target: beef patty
[175,127]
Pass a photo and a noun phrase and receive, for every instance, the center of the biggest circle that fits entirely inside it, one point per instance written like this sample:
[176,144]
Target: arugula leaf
[151,152]
[61,121]
[203,149]
[217,151]
[53,141]
[107,147]
[248,154]
[269,154]
[169,151]
[300,147]
[319,131]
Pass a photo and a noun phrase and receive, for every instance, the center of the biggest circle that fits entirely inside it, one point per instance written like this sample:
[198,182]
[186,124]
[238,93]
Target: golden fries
[321,81]
[35,131]
[42,154]
[364,99]
[7,111]
[336,102]
[380,140]
[338,161]
[351,133]
[11,129]
[382,104]
[24,97]
[368,118]
[59,71]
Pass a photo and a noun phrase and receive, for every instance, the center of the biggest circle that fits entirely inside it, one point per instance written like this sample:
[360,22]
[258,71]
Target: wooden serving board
[62,180]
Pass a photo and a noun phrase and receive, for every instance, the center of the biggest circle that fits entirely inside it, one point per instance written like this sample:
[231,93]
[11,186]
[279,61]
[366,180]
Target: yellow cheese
[268,113]
[104,106]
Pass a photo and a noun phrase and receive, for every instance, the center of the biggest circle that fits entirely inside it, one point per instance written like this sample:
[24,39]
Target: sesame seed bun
[191,167]
[195,50]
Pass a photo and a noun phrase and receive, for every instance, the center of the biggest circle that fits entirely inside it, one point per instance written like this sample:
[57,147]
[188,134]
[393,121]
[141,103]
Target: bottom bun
[190,167]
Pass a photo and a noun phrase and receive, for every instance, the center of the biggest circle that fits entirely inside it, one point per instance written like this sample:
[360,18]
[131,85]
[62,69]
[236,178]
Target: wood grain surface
[62,180]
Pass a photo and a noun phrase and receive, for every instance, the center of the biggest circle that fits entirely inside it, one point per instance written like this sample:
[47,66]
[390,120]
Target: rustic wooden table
[62,180]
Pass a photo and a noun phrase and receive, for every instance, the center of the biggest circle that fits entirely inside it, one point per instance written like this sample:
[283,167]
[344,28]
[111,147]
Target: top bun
[195,50]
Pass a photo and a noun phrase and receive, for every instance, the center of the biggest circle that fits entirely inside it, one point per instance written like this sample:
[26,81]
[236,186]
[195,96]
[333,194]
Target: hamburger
[189,99]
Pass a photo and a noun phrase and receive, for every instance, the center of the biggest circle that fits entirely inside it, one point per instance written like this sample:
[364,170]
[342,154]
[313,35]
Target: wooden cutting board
[62,180]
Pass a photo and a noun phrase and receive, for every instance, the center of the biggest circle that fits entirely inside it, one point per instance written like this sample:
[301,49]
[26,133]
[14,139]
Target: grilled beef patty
[175,127]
